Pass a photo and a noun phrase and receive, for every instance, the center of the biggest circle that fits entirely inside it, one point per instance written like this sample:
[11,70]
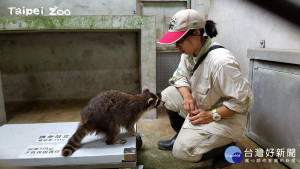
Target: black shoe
[220,162]
[175,119]
[176,122]
[218,156]
[167,144]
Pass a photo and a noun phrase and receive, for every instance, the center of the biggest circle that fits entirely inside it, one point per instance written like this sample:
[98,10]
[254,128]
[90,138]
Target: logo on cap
[173,23]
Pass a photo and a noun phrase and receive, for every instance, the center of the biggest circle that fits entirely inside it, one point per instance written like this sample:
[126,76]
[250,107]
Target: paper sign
[53,138]
[42,151]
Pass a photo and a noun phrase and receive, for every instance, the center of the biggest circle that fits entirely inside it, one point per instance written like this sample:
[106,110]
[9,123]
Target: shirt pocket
[202,96]
[203,88]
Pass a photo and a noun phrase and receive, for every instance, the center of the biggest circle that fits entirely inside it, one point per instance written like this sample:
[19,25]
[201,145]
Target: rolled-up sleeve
[182,74]
[233,87]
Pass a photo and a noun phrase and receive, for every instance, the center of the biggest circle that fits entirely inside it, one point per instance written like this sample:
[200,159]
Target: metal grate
[166,64]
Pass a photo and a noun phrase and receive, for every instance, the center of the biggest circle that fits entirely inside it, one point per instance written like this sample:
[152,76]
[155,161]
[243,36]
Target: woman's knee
[185,152]
[170,92]
[172,98]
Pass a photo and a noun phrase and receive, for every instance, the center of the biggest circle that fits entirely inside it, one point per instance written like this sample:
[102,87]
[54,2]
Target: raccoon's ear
[146,90]
[150,101]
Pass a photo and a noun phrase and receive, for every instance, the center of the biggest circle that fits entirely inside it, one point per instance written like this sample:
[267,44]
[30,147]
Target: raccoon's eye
[150,101]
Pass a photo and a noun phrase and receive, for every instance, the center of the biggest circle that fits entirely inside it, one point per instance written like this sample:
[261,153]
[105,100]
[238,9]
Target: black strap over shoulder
[204,56]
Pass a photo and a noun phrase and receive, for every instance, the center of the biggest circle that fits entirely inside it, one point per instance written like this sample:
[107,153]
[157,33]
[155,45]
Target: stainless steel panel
[166,64]
[129,154]
[283,56]
[274,118]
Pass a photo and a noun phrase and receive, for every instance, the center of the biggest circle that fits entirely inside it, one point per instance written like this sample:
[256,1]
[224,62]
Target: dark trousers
[176,120]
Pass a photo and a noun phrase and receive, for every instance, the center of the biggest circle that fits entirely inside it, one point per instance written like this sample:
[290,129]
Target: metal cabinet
[274,118]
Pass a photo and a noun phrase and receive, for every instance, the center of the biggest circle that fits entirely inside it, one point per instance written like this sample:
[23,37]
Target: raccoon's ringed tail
[69,150]
[74,142]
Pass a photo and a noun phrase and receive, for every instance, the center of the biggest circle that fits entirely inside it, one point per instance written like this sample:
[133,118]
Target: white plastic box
[40,145]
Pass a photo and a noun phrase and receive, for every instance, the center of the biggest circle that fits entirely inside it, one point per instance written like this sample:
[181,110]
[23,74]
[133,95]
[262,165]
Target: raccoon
[107,112]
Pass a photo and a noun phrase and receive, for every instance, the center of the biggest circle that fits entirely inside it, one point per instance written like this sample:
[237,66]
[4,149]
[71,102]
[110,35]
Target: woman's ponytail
[211,29]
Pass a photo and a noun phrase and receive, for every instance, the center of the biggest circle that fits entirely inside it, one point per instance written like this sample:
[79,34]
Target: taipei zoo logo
[233,154]
[24,11]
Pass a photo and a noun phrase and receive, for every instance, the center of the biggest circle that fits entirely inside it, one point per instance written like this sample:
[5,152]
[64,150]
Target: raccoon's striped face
[158,102]
[154,101]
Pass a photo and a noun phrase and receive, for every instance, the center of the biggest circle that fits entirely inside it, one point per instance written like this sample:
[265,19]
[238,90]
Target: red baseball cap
[181,23]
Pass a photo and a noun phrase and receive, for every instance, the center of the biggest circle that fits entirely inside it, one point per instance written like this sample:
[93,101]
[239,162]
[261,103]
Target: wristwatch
[216,116]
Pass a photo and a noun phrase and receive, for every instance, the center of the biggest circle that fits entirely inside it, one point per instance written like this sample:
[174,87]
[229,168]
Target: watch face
[216,117]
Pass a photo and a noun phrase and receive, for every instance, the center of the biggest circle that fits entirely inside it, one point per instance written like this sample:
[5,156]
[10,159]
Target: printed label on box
[53,138]
[42,151]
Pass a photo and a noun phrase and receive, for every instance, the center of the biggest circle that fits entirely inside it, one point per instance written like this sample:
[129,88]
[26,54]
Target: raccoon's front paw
[121,141]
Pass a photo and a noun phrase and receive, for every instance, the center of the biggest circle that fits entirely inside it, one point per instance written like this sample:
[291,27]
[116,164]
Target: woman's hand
[189,104]
[201,117]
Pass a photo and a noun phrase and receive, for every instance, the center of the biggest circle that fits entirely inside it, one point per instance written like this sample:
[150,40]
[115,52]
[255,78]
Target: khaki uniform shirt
[217,81]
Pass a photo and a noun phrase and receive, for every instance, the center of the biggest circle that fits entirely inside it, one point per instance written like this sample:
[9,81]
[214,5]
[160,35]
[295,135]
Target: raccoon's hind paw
[121,141]
[133,133]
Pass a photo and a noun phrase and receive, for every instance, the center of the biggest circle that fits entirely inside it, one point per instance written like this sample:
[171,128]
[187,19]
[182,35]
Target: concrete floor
[154,130]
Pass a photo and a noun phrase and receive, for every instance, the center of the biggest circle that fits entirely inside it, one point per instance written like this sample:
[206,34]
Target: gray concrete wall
[112,38]
[68,65]
[163,12]
[46,65]
[242,25]
[57,74]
